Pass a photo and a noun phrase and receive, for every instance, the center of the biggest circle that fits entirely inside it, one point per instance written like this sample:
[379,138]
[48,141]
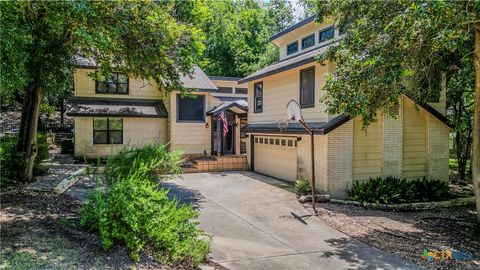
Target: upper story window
[292,48]
[116,83]
[326,34]
[258,97]
[190,109]
[226,90]
[308,41]
[307,87]
[240,90]
[107,131]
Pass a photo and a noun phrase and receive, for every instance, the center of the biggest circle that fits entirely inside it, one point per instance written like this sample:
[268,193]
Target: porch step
[216,164]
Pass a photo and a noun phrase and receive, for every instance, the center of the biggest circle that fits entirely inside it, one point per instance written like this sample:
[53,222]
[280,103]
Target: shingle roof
[240,104]
[286,64]
[110,107]
[296,128]
[198,80]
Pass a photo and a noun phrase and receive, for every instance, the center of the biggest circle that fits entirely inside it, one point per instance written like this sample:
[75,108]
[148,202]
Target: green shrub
[302,187]
[162,162]
[10,159]
[135,212]
[395,190]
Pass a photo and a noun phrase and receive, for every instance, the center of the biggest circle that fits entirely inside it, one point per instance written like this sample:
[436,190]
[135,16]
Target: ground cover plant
[391,189]
[136,212]
[9,156]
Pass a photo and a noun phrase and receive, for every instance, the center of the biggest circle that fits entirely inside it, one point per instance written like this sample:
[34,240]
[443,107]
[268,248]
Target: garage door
[276,157]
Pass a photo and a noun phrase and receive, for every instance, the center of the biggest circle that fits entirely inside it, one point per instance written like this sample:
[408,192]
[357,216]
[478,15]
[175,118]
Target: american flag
[224,122]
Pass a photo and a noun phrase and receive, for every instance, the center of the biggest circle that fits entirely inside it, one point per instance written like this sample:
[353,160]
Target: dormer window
[292,48]
[116,83]
[326,34]
[308,41]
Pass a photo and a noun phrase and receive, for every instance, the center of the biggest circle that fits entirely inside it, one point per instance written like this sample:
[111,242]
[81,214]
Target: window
[271,141]
[116,83]
[191,109]
[307,87]
[284,142]
[308,41]
[292,48]
[290,143]
[258,97]
[326,34]
[240,90]
[227,90]
[261,140]
[277,141]
[107,131]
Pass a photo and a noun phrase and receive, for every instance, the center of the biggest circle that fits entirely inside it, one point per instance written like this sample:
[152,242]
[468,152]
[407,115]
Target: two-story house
[120,111]
[412,145]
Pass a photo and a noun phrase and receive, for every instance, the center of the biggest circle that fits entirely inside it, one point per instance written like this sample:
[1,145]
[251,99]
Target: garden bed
[410,206]
[408,234]
[42,230]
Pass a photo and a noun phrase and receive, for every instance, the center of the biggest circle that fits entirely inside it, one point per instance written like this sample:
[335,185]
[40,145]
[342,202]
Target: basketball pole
[312,148]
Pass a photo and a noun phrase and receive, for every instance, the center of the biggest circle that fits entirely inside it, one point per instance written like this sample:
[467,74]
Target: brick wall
[339,158]
[437,149]
[304,163]
[392,145]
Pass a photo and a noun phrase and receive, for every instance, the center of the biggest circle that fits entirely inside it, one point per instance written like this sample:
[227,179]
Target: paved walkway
[60,168]
[256,225]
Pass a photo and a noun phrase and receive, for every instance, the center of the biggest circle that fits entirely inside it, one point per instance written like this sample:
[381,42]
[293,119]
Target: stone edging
[69,181]
[410,206]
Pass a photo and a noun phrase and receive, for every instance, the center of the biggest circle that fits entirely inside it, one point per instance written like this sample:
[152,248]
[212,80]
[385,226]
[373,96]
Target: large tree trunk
[27,143]
[476,123]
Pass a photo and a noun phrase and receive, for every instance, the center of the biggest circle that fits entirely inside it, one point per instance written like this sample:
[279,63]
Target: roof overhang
[234,107]
[110,107]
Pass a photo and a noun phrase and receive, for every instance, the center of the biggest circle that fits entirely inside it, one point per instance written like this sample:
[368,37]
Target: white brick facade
[437,149]
[392,145]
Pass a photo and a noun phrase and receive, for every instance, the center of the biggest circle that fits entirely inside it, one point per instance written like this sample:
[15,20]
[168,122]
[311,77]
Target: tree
[40,40]
[237,35]
[460,106]
[401,47]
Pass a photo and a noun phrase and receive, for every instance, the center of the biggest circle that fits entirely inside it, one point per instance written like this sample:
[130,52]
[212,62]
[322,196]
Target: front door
[223,144]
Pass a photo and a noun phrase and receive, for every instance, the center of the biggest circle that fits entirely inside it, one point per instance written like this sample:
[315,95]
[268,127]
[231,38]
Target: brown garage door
[276,156]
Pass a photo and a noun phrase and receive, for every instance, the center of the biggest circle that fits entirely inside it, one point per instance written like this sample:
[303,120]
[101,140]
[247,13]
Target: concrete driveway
[255,224]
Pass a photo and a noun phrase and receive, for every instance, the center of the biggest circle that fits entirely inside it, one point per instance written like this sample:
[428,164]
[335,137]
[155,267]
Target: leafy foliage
[395,190]
[134,211]
[302,186]
[163,163]
[10,158]
[237,35]
[392,48]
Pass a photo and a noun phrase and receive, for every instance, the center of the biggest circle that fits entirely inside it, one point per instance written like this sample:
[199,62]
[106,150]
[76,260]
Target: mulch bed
[407,234]
[42,231]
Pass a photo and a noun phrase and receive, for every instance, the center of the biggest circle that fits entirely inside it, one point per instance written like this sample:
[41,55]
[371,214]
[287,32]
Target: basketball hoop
[282,124]
[294,113]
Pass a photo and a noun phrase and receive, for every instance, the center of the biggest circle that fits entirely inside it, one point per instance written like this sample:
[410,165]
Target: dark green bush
[163,163]
[395,190]
[135,212]
[10,159]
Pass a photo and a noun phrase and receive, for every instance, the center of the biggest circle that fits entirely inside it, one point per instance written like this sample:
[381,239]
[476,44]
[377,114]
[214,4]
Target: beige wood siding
[137,88]
[414,141]
[367,150]
[274,159]
[190,137]
[280,88]
[136,132]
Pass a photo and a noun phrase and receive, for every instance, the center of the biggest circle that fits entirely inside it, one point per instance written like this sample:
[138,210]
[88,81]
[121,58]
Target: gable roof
[198,80]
